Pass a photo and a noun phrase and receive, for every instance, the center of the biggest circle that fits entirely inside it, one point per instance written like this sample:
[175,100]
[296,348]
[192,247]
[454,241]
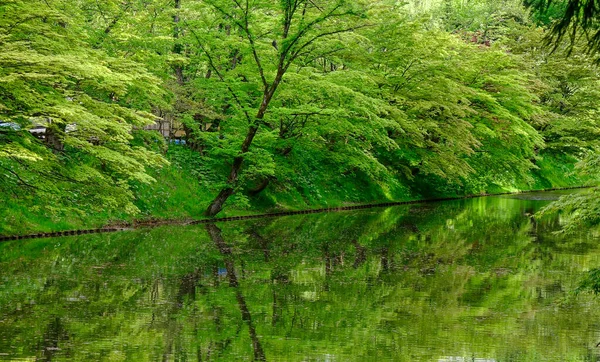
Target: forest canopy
[262,104]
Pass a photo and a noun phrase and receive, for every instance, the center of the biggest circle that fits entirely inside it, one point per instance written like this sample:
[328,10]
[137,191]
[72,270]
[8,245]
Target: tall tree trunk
[216,205]
[177,48]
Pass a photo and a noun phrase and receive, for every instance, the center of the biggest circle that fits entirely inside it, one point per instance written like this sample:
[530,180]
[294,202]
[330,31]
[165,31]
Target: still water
[470,280]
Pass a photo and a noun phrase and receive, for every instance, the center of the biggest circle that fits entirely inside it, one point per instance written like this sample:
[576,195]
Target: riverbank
[154,223]
[183,190]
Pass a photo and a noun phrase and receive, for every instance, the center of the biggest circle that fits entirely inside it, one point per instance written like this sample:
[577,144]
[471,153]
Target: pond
[467,280]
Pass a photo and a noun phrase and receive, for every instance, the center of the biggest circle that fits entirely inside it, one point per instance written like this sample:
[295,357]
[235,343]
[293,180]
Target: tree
[578,21]
[265,40]
[88,102]
[570,19]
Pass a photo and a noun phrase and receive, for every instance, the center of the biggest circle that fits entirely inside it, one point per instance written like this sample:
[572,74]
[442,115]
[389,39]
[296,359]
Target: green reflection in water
[471,280]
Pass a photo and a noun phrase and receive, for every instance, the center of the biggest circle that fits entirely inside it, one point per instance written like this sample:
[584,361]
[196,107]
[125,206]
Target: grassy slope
[178,194]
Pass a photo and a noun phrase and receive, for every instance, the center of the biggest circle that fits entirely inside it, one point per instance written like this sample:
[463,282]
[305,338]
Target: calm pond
[469,280]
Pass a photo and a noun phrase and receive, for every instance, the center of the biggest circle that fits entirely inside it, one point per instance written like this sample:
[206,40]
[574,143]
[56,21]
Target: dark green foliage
[591,282]
[572,19]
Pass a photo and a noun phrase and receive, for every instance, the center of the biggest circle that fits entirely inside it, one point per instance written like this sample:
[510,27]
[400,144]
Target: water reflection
[217,237]
[472,280]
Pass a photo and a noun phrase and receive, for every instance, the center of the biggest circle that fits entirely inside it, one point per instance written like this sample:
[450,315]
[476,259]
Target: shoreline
[157,223]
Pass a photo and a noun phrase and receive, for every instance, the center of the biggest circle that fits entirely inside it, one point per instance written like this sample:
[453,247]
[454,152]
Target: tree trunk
[53,139]
[260,187]
[217,204]
[177,48]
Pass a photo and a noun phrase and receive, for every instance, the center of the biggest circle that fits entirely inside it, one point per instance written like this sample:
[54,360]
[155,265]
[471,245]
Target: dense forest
[163,109]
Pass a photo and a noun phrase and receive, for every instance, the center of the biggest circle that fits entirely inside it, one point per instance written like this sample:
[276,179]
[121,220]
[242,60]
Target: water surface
[469,280]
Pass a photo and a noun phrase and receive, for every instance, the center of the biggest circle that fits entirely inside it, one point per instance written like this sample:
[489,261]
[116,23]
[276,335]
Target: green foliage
[590,283]
[471,278]
[286,105]
[573,19]
[88,102]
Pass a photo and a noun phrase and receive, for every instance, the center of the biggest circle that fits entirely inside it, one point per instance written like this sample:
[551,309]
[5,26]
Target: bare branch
[257,59]
[22,21]
[315,5]
[321,55]
[288,46]
[25,183]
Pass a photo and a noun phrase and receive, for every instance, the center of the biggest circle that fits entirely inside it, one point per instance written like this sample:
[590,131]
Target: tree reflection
[217,237]
[477,278]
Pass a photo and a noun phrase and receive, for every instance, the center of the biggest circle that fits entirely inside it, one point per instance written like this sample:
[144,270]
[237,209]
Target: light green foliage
[568,88]
[89,102]
[554,97]
[582,210]
[290,104]
[471,278]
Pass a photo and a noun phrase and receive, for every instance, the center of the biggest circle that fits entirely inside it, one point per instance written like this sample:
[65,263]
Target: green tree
[571,19]
[89,103]
[252,49]
[576,20]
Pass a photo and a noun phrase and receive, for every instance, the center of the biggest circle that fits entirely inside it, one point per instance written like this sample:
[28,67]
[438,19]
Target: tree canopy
[302,101]
[571,19]
[86,101]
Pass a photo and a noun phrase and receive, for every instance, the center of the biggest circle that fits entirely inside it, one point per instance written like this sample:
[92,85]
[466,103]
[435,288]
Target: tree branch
[316,37]
[25,183]
[216,70]
[287,47]
[246,29]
